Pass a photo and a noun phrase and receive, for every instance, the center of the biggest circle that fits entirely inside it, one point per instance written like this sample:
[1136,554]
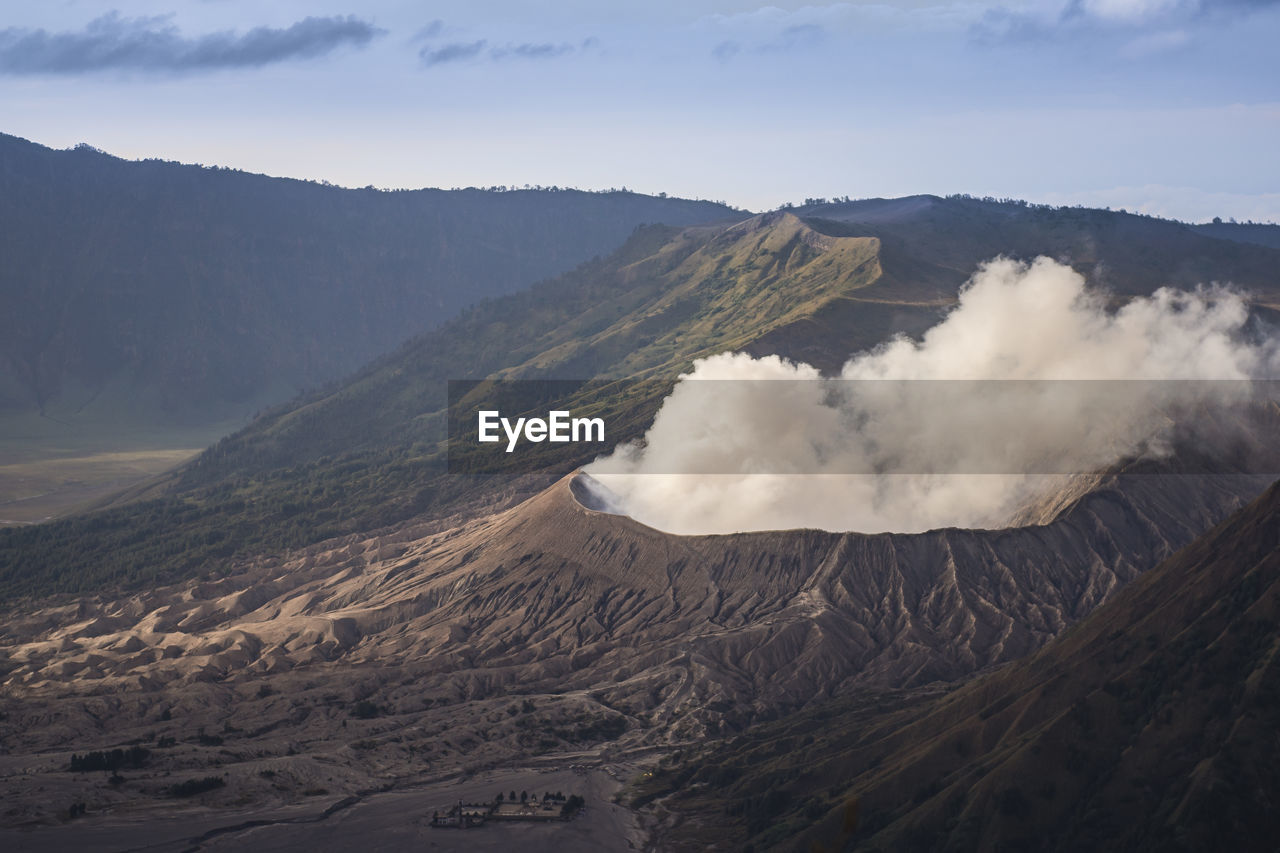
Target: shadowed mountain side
[1149,726]
[685,634]
[143,292]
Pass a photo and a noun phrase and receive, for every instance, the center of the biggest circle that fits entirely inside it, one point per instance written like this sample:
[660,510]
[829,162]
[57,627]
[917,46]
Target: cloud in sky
[805,29]
[461,51]
[896,97]
[113,42]
[1155,25]
[1145,11]
[532,50]
[785,35]
[452,52]
[430,31]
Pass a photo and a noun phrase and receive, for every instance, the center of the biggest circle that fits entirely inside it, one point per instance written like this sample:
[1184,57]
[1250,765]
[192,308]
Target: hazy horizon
[1167,107]
[623,187]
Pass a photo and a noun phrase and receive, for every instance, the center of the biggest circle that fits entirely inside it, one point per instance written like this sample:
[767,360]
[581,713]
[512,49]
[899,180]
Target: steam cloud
[724,456]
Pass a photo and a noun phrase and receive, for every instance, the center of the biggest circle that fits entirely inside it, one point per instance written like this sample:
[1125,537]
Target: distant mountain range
[1242,232]
[143,292]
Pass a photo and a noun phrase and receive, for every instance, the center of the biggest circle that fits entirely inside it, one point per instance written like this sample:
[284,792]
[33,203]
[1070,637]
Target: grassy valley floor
[49,469]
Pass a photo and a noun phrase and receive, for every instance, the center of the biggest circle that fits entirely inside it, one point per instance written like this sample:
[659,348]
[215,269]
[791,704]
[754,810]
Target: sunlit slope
[665,299]
[157,292]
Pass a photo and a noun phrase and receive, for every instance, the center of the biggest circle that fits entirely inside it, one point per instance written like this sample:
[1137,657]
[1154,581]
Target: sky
[1167,107]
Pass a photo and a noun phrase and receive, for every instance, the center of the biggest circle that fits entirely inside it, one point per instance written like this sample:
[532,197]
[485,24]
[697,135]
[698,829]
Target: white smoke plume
[731,456]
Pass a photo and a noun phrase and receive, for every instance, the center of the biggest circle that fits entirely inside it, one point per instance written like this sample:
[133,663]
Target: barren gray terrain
[543,635]
[380,821]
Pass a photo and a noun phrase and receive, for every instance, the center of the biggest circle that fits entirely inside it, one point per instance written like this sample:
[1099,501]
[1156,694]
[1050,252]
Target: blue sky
[1166,106]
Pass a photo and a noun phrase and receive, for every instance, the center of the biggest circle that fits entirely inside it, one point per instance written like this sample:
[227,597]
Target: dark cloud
[155,44]
[461,51]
